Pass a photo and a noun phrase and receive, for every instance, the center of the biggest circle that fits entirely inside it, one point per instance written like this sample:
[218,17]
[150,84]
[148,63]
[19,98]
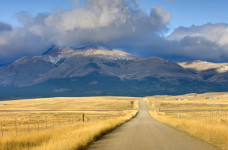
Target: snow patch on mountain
[54,56]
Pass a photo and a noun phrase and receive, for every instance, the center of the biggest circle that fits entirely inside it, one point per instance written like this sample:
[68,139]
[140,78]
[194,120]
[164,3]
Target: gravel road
[145,133]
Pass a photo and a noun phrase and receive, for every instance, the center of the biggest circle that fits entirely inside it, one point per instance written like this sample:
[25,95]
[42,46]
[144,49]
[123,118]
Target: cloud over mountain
[117,24]
[206,42]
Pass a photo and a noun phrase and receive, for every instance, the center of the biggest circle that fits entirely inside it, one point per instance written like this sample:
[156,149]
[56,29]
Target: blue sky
[117,24]
[9,8]
[192,12]
[183,12]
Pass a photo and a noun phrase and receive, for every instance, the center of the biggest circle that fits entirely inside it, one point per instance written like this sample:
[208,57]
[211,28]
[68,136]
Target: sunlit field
[61,123]
[204,116]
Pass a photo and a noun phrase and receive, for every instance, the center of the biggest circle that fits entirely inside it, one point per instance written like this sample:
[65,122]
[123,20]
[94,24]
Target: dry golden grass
[193,101]
[69,103]
[20,122]
[61,128]
[66,137]
[75,139]
[200,117]
[212,132]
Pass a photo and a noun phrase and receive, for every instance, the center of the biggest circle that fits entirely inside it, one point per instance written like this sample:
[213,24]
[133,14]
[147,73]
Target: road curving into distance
[145,133]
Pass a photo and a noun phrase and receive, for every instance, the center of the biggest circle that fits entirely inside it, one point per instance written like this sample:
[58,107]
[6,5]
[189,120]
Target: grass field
[204,116]
[61,123]
[69,103]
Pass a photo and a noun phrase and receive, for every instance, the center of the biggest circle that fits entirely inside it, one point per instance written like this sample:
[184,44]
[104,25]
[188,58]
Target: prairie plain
[204,116]
[61,123]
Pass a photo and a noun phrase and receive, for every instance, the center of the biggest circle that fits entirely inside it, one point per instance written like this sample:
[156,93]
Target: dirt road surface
[145,133]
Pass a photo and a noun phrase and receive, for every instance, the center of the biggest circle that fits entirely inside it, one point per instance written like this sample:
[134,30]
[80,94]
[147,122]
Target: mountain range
[92,71]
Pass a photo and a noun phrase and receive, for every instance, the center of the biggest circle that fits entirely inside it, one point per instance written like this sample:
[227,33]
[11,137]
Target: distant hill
[91,71]
[204,65]
[212,72]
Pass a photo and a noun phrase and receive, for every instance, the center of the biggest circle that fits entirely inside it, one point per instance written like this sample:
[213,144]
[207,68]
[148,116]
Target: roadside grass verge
[213,132]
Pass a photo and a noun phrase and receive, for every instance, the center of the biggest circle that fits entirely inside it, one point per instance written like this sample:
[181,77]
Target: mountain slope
[59,63]
[95,84]
[99,71]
